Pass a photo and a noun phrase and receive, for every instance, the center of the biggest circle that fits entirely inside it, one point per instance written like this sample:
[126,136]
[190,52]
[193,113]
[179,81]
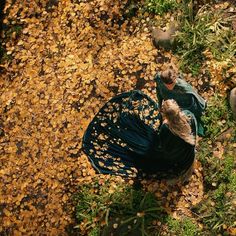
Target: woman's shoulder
[183,85]
[165,132]
[170,141]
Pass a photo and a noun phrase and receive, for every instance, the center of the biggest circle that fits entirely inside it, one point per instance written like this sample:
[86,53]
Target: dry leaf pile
[70,58]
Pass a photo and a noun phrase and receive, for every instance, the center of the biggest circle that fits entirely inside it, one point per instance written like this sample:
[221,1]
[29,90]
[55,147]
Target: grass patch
[218,170]
[122,210]
[209,34]
[217,211]
[205,32]
[218,116]
[14,30]
[119,208]
[160,6]
[3,55]
[10,32]
[182,228]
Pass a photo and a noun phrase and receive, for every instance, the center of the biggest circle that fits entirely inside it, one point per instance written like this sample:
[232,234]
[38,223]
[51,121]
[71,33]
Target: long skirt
[124,127]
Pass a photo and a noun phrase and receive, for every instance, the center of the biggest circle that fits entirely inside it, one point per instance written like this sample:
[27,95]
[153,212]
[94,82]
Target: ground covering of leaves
[70,58]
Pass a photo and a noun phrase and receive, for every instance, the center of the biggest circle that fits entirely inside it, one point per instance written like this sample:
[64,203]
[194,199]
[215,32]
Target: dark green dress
[186,97]
[170,156]
[126,138]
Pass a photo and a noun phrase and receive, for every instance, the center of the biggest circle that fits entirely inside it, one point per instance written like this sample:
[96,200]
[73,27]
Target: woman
[125,138]
[173,150]
[171,86]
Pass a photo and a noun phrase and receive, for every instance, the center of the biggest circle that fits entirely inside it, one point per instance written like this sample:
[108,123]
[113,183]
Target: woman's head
[170,109]
[177,121]
[168,77]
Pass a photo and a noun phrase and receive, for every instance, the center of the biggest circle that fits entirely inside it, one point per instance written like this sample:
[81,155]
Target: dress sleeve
[195,106]
[189,98]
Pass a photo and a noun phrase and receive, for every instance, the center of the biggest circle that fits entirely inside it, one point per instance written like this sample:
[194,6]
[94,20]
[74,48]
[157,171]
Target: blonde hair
[178,122]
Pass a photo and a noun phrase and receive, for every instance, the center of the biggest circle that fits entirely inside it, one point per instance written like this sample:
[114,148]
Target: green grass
[126,211]
[218,170]
[203,32]
[3,55]
[218,116]
[99,206]
[11,32]
[182,227]
[216,212]
[16,29]
[160,6]
[210,30]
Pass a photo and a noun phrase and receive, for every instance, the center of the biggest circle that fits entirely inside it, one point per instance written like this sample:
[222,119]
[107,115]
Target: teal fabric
[127,138]
[170,156]
[186,97]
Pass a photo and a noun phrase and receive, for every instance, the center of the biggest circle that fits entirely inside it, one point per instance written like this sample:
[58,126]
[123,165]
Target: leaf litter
[70,58]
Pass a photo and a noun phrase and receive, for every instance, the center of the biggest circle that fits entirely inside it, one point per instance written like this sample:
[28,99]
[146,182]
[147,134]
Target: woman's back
[169,154]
